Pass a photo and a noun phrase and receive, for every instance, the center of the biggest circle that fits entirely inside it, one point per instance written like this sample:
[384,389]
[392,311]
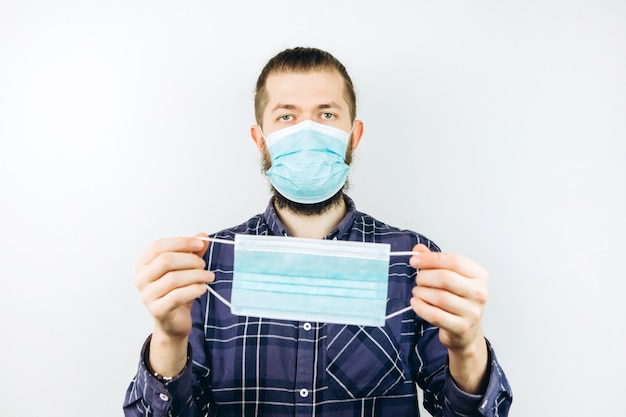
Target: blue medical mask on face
[300,279]
[308,161]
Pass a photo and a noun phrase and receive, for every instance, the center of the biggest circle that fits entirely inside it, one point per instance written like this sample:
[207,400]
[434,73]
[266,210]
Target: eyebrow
[329,105]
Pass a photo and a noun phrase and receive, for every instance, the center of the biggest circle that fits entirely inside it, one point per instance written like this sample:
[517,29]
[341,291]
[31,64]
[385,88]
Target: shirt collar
[342,229]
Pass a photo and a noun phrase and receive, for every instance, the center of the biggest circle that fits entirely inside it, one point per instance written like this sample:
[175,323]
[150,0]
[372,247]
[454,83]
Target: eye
[286,118]
[328,116]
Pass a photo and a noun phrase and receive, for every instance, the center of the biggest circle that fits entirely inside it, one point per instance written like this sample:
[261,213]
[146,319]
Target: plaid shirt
[249,366]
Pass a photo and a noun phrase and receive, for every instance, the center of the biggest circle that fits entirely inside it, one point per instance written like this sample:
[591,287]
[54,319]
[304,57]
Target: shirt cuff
[165,396]
[487,404]
[460,401]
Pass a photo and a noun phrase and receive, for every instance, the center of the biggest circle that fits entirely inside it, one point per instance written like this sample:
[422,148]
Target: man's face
[296,97]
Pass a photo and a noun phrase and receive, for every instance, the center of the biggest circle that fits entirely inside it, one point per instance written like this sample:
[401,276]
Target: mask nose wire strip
[232,242]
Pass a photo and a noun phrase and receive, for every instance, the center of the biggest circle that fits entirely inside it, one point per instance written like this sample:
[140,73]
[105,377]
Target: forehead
[305,88]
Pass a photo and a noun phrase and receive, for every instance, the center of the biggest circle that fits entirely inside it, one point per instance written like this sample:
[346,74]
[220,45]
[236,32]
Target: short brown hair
[301,60]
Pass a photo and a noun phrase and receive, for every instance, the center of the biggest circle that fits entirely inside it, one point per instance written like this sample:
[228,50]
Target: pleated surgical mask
[300,279]
[308,161]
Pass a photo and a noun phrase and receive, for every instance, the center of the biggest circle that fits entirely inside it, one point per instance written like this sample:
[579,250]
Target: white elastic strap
[397,313]
[219,297]
[212,239]
[208,286]
[405,309]
[223,300]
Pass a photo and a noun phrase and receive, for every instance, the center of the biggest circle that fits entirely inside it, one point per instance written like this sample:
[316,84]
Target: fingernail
[197,244]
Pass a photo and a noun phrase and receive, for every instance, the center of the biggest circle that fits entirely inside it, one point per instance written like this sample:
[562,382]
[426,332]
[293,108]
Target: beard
[315,209]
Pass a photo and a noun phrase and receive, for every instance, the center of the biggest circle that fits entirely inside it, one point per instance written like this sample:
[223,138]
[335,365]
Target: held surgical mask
[316,280]
[308,161]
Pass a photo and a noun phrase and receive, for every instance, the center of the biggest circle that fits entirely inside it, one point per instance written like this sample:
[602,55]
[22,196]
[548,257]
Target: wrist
[469,366]
[166,357]
[163,378]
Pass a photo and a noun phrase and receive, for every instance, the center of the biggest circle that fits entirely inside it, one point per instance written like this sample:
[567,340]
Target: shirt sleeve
[147,396]
[442,396]
[496,400]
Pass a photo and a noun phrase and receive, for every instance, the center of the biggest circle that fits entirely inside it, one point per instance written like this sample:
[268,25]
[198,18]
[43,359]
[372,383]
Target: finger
[449,302]
[166,262]
[175,280]
[161,307]
[205,244]
[439,317]
[425,259]
[445,279]
[178,244]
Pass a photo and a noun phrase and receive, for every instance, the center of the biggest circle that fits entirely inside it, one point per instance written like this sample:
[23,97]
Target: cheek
[349,152]
[266,159]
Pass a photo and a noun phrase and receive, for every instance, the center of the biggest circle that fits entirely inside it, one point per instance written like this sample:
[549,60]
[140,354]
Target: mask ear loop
[209,288]
[397,313]
[223,300]
[219,297]
[408,308]
[232,242]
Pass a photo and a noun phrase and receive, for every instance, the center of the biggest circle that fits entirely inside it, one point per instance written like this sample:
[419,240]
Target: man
[203,360]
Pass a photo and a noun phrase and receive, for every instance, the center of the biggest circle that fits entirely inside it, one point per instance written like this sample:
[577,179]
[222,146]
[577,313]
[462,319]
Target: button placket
[304,382]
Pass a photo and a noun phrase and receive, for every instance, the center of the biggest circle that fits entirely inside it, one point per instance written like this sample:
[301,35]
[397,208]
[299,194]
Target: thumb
[421,248]
[414,260]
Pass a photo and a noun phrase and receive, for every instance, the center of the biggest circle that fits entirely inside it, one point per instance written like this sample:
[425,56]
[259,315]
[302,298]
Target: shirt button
[304,392]
[306,326]
[164,397]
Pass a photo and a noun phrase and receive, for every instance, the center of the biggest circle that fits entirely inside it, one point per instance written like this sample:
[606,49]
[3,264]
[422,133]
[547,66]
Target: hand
[170,276]
[451,293]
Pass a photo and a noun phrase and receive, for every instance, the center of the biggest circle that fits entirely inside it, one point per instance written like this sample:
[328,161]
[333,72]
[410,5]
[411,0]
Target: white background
[498,130]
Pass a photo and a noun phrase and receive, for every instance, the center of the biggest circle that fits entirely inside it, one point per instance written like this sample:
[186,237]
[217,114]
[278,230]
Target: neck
[316,226]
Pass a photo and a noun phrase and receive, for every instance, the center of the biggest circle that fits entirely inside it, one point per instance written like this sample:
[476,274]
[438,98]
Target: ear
[357,133]
[257,137]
